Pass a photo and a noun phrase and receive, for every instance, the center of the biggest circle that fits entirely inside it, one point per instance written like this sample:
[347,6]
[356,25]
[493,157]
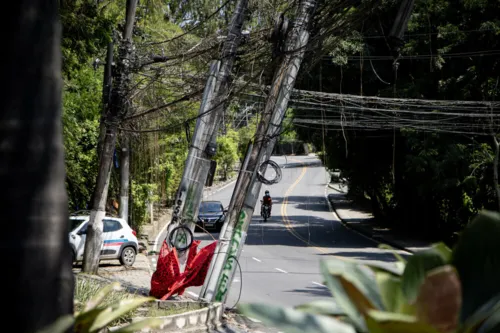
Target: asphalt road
[280,259]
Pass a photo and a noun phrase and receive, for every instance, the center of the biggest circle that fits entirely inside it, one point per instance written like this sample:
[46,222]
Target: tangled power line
[352,112]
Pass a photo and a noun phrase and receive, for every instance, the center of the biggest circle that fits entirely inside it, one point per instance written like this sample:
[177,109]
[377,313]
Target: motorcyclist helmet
[267,192]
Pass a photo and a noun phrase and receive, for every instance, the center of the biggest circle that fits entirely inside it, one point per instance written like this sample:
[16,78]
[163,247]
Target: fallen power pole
[222,267]
[203,144]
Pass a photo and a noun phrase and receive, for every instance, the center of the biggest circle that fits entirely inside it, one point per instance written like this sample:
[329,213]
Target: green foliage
[86,32]
[476,258]
[287,128]
[97,314]
[294,321]
[449,174]
[142,195]
[227,152]
[428,296]
[81,114]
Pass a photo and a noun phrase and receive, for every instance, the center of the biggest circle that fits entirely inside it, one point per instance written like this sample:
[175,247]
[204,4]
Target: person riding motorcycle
[266,200]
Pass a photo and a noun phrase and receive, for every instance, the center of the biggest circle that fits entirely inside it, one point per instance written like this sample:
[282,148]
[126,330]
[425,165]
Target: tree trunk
[106,93]
[93,241]
[117,110]
[495,169]
[33,202]
[124,177]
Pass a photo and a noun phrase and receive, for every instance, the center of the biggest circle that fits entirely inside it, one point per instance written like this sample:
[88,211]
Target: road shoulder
[359,219]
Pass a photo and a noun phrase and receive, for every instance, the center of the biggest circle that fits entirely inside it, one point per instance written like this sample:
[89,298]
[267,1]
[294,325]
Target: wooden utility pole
[119,104]
[33,202]
[242,205]
[203,146]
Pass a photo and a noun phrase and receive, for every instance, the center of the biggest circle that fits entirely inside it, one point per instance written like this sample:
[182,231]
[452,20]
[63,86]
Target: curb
[336,189]
[202,320]
[217,188]
[363,232]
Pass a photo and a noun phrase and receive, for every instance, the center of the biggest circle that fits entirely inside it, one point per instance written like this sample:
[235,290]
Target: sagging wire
[262,168]
[241,282]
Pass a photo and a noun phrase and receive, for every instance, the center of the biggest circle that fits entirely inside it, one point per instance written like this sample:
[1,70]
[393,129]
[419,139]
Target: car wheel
[218,227]
[127,258]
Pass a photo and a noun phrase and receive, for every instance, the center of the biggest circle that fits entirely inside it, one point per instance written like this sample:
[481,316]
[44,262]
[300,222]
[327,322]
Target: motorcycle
[264,211]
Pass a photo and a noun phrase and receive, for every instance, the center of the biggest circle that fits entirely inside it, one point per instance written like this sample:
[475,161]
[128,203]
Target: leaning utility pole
[223,266]
[117,109]
[203,144]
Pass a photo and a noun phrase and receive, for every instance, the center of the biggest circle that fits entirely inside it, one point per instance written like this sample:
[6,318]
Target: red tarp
[168,281]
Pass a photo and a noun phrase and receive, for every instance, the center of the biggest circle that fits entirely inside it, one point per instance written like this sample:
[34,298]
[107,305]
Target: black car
[211,215]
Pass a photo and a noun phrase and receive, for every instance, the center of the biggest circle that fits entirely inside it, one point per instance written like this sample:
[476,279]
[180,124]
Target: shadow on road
[342,203]
[309,203]
[314,291]
[291,163]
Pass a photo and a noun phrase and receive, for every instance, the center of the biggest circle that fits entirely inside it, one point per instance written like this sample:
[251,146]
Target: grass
[86,288]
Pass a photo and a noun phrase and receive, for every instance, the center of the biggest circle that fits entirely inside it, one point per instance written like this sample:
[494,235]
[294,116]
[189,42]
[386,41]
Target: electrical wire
[241,282]
[195,27]
[262,170]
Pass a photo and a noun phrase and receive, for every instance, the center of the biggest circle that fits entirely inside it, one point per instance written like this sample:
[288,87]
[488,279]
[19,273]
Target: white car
[120,241]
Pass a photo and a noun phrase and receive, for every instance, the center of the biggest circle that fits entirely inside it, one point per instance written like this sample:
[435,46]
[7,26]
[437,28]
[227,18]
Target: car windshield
[210,207]
[74,223]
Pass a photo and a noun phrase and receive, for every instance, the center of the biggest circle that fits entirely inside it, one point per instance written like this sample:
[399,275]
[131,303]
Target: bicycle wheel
[181,238]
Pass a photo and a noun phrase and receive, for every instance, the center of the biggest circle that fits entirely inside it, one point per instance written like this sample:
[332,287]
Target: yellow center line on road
[284,216]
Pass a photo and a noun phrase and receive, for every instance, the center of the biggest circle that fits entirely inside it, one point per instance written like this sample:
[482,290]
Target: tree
[118,108]
[33,201]
[443,175]
[227,152]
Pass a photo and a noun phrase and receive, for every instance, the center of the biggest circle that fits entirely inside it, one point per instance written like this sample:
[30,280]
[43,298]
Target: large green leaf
[394,252]
[294,321]
[491,325]
[325,307]
[113,312]
[444,250]
[476,257]
[416,268]
[137,326]
[395,270]
[485,311]
[61,325]
[392,293]
[84,320]
[354,290]
[389,322]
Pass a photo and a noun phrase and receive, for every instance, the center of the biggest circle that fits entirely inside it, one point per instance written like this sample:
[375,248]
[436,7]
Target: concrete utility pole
[241,209]
[203,146]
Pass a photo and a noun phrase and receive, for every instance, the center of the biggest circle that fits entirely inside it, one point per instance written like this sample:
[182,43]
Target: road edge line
[358,231]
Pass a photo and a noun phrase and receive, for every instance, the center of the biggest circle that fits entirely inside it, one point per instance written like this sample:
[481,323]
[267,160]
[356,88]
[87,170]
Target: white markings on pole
[280,270]
[193,294]
[318,284]
[258,260]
